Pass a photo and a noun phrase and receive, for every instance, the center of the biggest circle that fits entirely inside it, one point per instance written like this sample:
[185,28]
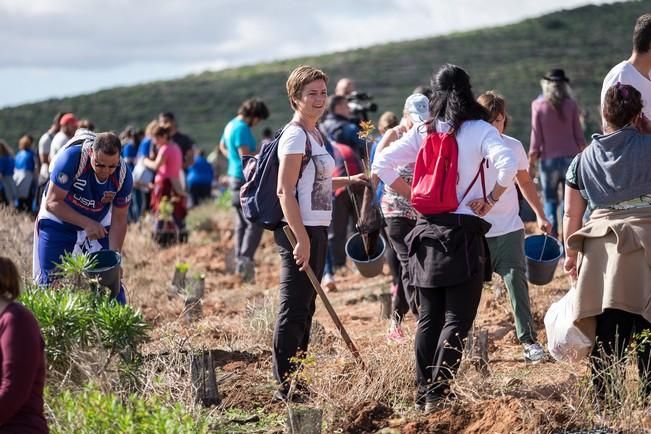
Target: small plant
[224,200]
[72,269]
[182,267]
[165,209]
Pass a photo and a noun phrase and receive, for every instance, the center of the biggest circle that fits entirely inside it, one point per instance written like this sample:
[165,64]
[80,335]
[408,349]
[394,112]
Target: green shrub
[72,319]
[90,411]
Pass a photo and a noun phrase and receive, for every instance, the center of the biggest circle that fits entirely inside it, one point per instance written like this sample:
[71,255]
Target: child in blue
[85,205]
[200,176]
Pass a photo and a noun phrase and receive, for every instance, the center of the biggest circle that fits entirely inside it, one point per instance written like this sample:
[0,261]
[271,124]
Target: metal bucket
[543,253]
[368,266]
[106,269]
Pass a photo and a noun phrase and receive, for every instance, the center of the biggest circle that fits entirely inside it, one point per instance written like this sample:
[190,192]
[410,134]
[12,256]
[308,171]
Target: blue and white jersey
[86,194]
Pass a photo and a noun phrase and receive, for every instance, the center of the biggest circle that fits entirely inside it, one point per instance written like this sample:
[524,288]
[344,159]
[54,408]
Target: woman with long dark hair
[448,255]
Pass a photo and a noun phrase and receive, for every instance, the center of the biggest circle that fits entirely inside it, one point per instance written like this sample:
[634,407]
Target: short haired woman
[305,186]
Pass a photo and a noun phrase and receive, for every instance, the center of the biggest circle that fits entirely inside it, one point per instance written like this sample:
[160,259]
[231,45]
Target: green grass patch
[90,411]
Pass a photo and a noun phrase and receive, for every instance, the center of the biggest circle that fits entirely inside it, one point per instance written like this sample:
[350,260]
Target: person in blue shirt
[237,141]
[200,177]
[7,186]
[25,173]
[85,205]
[130,144]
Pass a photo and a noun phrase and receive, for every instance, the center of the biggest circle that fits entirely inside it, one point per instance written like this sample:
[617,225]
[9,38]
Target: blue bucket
[543,253]
[106,269]
[367,266]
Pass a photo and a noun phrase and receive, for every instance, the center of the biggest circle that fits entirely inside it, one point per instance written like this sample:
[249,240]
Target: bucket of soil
[106,269]
[543,253]
[368,265]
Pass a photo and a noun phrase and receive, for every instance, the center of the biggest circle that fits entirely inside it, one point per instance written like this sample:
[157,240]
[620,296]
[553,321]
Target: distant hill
[586,42]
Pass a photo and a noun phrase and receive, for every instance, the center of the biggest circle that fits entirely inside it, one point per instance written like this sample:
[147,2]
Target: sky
[56,48]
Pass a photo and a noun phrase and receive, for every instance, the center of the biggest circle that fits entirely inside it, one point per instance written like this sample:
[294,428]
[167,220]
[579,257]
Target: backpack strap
[307,156]
[479,174]
[86,141]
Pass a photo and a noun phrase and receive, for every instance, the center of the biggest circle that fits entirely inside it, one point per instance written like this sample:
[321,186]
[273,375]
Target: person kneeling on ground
[613,277]
[506,235]
[85,205]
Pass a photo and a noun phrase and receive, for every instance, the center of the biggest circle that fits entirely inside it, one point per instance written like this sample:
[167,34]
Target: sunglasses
[104,166]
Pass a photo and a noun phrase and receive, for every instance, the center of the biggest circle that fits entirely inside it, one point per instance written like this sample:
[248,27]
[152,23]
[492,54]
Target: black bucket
[368,266]
[543,253]
[106,269]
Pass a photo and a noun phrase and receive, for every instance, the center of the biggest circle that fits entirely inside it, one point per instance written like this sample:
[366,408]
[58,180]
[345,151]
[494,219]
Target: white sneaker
[328,282]
[533,353]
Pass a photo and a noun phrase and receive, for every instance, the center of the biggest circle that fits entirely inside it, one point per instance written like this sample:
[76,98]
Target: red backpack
[434,187]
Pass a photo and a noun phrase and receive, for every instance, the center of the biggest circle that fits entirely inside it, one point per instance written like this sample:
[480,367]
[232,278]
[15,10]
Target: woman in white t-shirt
[305,186]
[506,235]
[448,255]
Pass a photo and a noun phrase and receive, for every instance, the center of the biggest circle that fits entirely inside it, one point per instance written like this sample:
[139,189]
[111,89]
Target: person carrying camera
[338,127]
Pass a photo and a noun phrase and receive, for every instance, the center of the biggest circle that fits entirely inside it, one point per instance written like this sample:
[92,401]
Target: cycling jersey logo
[62,178]
[108,197]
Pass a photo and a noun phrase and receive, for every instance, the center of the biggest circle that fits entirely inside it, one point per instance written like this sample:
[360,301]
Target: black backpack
[258,194]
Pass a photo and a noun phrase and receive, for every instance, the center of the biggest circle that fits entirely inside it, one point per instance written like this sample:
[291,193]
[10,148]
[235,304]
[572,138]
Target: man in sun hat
[67,127]
[636,70]
[556,137]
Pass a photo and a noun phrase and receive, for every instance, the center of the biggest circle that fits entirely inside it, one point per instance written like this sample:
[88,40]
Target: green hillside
[586,42]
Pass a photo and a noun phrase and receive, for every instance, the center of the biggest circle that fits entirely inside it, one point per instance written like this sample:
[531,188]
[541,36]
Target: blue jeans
[552,173]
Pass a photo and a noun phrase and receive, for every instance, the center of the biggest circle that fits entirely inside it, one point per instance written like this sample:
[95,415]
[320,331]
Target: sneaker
[328,283]
[533,353]
[396,334]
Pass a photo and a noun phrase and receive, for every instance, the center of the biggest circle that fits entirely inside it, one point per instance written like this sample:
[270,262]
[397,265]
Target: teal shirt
[237,134]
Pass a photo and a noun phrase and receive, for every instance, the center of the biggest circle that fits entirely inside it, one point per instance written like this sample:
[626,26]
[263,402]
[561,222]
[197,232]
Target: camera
[360,104]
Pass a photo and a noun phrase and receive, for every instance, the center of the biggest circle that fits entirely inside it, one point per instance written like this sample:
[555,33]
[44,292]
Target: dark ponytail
[452,100]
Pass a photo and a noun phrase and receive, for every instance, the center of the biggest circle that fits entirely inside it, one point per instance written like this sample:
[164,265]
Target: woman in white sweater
[448,256]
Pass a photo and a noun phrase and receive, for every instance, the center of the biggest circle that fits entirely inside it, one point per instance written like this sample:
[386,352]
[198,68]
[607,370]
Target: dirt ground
[237,325]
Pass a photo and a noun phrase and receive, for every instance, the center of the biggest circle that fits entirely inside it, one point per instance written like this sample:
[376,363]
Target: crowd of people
[85,187]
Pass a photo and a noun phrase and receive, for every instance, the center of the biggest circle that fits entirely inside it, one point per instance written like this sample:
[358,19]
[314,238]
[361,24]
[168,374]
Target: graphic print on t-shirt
[321,191]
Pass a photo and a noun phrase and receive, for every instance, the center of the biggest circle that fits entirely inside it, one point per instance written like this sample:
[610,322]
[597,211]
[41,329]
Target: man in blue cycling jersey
[85,204]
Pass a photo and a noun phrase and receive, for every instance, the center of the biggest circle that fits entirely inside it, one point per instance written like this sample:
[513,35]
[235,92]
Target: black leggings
[297,301]
[446,315]
[406,298]
[615,331]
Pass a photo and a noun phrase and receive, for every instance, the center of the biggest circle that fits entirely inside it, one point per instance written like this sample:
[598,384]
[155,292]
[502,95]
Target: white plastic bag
[142,176]
[565,341]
